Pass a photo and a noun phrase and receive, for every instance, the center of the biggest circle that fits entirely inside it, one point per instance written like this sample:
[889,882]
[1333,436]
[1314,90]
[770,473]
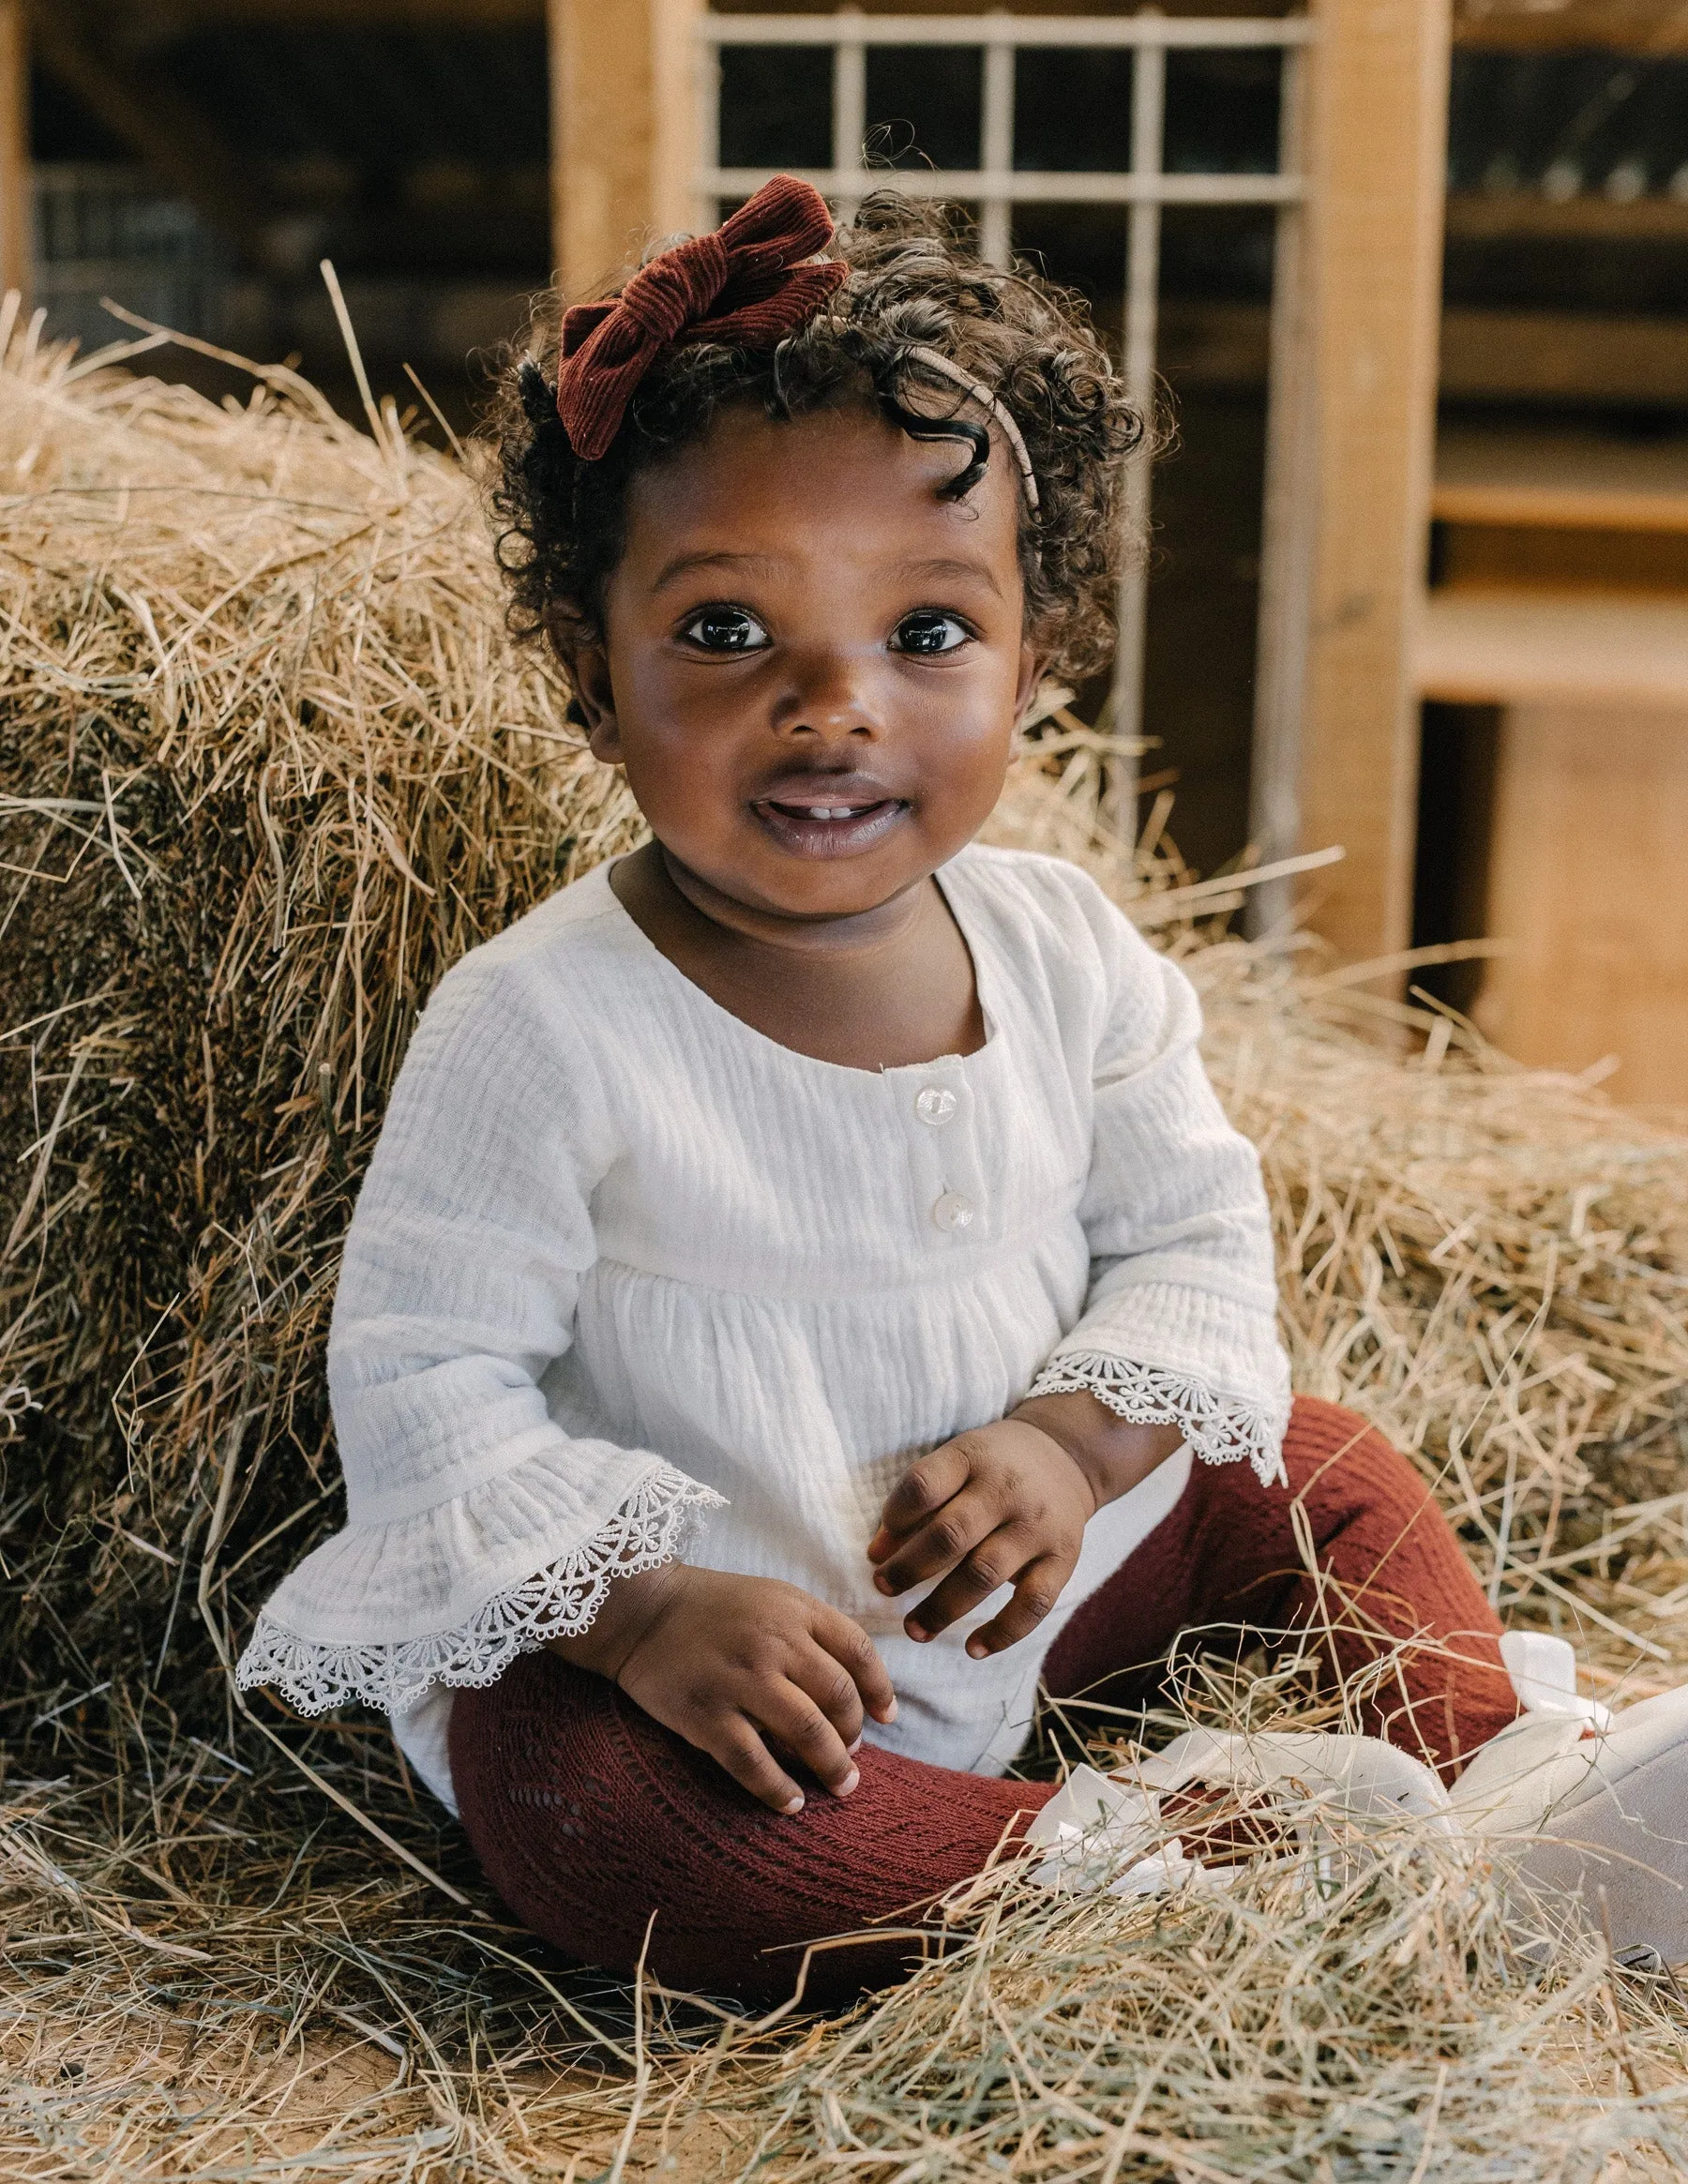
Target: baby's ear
[1032,670]
[592,705]
[566,629]
[586,663]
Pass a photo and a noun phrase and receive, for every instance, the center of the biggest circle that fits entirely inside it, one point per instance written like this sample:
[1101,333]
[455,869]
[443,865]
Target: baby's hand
[735,1665]
[1003,1504]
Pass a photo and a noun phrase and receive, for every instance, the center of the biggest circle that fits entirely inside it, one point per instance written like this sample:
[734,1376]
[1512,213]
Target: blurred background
[1527,782]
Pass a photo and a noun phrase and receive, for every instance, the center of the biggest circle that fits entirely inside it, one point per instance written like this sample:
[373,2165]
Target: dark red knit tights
[588,1817]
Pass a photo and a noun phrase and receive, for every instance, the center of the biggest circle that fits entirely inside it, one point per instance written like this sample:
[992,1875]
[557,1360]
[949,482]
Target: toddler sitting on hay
[815,1208]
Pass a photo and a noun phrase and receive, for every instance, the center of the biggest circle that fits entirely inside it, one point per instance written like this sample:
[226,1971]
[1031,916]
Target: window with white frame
[1016,117]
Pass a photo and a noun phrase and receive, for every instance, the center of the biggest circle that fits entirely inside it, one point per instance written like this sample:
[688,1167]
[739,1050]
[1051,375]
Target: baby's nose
[829,703]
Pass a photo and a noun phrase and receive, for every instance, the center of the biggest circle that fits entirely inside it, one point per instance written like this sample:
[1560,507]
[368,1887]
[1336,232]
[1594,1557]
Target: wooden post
[1353,430]
[684,96]
[622,131]
[17,201]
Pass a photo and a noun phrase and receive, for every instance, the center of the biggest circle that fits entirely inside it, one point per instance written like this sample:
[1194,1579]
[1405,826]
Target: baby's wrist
[1112,1454]
[631,1609]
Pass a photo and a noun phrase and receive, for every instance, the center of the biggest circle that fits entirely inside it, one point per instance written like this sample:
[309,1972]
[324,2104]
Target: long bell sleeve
[477,1527]
[1179,1325]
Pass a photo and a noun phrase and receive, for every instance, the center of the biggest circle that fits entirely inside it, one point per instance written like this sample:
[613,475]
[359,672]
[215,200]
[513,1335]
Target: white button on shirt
[620,1263]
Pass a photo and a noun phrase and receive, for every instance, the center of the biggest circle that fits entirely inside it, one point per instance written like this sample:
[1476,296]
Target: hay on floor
[268,765]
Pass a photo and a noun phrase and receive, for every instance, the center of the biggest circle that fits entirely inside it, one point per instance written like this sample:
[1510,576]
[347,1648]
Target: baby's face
[812,667]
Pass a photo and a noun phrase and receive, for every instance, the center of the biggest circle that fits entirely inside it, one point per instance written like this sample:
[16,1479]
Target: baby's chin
[820,898]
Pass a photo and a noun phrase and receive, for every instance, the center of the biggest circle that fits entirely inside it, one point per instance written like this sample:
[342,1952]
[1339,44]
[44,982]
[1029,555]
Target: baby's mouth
[813,827]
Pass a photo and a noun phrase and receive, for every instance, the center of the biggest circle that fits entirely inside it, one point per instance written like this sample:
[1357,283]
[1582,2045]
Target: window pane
[777,106]
[1082,246]
[923,105]
[1072,109]
[1217,251]
[1222,112]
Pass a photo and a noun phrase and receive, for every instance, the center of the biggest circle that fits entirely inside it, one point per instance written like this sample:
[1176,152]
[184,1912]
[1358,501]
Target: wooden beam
[1353,439]
[17,201]
[154,22]
[623,77]
[1631,27]
[682,82]
[169,133]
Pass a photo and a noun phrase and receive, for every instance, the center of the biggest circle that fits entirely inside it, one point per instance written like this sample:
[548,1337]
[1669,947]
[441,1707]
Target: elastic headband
[934,361]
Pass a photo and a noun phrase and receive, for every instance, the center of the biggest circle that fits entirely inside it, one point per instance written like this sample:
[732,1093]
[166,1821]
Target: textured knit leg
[587,1817]
[1393,1588]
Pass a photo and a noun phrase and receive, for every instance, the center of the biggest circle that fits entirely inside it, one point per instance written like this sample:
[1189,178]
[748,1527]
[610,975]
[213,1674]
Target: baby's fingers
[845,1646]
[797,1725]
[1037,1589]
[922,1487]
[740,1750]
[957,1530]
[998,1560]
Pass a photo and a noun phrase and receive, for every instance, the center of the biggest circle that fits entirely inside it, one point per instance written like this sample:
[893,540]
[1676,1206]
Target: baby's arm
[1008,1504]
[479,1527]
[734,1664]
[462,1274]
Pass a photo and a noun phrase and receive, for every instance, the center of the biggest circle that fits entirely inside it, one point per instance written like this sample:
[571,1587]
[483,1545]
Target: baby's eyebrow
[682,564]
[928,569]
[946,567]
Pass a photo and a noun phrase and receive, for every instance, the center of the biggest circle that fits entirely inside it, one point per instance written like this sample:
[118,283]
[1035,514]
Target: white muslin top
[628,1279]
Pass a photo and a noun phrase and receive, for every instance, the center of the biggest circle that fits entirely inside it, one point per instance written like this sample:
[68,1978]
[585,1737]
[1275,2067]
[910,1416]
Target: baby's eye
[928,631]
[725,629]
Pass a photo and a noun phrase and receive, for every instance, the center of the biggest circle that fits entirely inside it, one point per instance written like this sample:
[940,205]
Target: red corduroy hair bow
[752,282]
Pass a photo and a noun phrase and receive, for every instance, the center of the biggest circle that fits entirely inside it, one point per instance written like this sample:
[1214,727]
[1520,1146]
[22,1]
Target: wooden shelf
[1481,216]
[1564,356]
[1554,648]
[1572,481]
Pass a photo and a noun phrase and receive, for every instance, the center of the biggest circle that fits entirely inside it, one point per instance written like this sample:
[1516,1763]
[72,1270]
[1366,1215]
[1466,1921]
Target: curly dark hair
[912,283]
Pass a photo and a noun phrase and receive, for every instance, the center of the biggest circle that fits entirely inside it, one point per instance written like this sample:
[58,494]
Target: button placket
[935,1106]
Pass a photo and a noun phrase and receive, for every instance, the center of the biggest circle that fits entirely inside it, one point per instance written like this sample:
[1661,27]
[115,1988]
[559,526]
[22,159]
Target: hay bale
[267,766]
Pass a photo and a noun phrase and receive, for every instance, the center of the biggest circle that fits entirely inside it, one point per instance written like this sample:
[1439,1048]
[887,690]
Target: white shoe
[1528,1770]
[1106,1839]
[1599,1812]
[1105,1834]
[1588,1809]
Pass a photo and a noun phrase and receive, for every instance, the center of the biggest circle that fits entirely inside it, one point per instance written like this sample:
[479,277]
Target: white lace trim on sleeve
[1218,1428]
[653,1525]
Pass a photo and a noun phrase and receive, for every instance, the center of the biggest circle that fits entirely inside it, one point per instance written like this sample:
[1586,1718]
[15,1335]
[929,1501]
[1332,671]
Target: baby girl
[806,1291]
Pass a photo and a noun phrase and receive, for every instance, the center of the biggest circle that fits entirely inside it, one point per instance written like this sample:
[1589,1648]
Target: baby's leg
[1390,1571]
[587,1817]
